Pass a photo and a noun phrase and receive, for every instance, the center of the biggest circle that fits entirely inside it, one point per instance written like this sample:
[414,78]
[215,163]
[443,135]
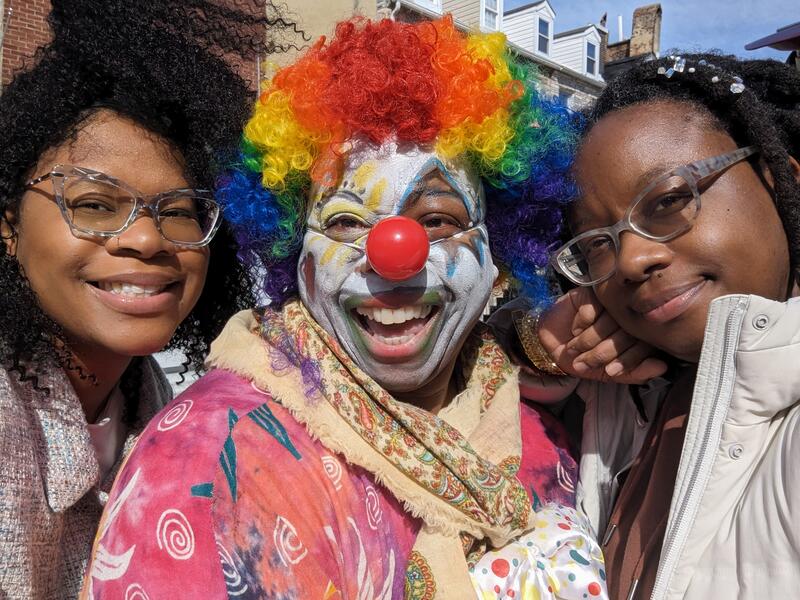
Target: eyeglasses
[662,211]
[93,203]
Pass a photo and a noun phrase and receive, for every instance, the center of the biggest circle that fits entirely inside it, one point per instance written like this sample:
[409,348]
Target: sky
[687,25]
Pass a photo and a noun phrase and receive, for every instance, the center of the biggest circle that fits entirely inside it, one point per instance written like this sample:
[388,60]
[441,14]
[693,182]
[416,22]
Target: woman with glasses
[112,248]
[686,234]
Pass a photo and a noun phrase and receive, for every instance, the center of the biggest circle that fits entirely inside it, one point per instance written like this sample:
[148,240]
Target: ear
[770,180]
[795,168]
[794,283]
[8,231]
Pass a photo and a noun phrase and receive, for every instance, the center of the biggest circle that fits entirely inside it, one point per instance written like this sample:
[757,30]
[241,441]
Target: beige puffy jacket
[734,521]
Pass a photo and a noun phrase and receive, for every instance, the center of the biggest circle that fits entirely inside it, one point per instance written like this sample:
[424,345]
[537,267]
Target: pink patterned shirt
[227,495]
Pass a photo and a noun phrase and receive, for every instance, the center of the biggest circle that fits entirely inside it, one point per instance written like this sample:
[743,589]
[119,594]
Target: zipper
[676,536]
[632,592]
[612,527]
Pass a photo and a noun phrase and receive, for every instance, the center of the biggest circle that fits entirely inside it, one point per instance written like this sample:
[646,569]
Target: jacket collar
[68,464]
[767,380]
[67,461]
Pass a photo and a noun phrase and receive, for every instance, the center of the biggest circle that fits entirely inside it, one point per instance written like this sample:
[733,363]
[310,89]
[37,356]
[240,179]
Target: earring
[500,289]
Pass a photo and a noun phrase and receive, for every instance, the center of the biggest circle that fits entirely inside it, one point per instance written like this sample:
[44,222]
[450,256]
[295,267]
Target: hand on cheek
[585,341]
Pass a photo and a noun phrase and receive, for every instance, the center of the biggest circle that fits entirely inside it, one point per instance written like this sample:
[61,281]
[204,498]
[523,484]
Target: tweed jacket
[51,498]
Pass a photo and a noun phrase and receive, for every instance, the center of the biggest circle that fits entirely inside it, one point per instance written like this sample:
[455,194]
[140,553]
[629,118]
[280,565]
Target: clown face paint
[400,333]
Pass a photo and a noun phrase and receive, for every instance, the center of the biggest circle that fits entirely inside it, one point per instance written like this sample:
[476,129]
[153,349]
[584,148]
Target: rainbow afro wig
[425,83]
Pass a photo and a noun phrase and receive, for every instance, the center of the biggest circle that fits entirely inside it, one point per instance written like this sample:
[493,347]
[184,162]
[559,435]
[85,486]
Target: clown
[396,264]
[362,436]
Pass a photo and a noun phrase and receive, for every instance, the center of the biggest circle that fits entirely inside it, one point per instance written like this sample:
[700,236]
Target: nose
[397,248]
[142,239]
[639,258]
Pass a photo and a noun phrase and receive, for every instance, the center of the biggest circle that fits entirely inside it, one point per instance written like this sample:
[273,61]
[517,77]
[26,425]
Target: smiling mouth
[675,305]
[395,326]
[130,291]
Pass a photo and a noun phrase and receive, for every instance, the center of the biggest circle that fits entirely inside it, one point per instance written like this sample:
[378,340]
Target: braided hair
[756,102]
[162,64]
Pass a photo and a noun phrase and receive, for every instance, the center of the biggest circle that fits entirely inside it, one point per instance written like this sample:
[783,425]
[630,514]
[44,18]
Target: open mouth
[396,333]
[395,326]
[142,298]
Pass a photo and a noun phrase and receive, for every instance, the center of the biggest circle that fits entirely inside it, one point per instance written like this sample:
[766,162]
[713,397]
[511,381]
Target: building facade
[531,32]
[573,65]
[23,28]
[645,41]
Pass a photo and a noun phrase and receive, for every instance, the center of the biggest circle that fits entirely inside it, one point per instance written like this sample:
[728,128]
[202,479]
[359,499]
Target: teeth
[393,341]
[131,290]
[395,316]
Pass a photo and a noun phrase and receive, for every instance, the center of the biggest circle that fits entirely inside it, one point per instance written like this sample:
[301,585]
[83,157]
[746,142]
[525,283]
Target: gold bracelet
[527,326]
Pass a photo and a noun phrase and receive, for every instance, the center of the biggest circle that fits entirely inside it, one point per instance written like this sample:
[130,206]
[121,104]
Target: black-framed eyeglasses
[662,211]
[96,204]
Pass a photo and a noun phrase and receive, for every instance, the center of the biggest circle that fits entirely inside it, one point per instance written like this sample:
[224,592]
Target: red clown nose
[397,248]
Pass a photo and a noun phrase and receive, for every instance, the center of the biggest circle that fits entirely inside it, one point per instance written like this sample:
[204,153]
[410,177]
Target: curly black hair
[765,114]
[161,63]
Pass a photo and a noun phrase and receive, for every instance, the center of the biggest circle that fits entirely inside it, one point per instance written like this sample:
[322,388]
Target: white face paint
[400,333]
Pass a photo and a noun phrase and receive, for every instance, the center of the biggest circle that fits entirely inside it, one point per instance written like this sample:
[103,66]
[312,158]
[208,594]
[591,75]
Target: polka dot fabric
[558,560]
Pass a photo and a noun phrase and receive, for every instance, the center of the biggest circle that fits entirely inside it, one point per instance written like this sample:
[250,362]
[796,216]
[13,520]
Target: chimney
[646,30]
[603,30]
[620,32]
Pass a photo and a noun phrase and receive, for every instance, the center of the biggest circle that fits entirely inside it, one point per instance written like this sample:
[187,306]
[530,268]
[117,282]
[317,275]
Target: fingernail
[577,331]
[580,367]
[614,368]
[572,352]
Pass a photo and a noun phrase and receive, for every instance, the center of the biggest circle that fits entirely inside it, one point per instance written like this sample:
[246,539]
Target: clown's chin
[398,334]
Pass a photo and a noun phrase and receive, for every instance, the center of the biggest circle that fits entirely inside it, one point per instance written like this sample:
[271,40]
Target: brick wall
[27,30]
[618,51]
[552,83]
[646,30]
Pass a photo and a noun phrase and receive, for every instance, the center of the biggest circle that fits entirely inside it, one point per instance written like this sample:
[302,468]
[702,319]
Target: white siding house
[432,6]
[491,15]
[473,14]
[579,50]
[530,30]
[467,12]
[531,27]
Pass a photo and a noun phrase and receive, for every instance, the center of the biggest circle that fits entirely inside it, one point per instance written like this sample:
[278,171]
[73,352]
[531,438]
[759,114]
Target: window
[591,58]
[544,36]
[491,14]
